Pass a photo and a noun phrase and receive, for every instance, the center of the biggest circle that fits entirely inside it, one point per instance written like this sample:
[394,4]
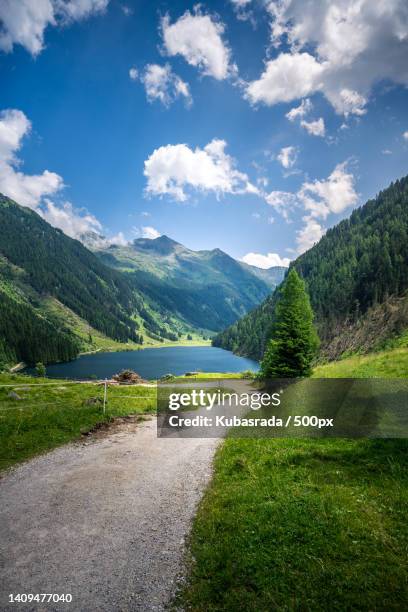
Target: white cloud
[31,190]
[300,111]
[350,47]
[242,9]
[271,220]
[144,213]
[287,157]
[315,128]
[171,169]
[24,188]
[332,195]
[282,201]
[349,102]
[309,234]
[265,261]
[256,215]
[23,22]
[405,135]
[198,38]
[149,232]
[133,74]
[71,221]
[388,151]
[318,198]
[163,85]
[79,9]
[286,78]
[119,240]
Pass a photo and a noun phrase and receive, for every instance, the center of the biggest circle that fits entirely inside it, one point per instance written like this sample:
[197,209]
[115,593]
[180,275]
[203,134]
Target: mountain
[206,289]
[39,264]
[57,298]
[357,279]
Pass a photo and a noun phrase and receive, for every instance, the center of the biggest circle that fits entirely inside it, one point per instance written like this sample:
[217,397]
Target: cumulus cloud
[405,135]
[31,189]
[269,260]
[71,221]
[332,195]
[300,111]
[149,232]
[26,189]
[198,38]
[341,48]
[162,84]
[315,128]
[287,157]
[318,199]
[24,22]
[286,78]
[171,169]
[308,235]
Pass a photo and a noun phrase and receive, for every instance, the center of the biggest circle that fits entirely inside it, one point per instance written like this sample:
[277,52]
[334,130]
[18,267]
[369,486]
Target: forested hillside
[38,260]
[206,289]
[56,296]
[358,269]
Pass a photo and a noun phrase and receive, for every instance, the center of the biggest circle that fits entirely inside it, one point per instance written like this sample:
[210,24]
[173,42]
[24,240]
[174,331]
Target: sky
[247,125]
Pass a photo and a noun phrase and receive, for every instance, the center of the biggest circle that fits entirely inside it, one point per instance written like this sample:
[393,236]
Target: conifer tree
[294,341]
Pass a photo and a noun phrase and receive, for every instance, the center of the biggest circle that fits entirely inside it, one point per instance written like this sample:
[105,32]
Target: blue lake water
[152,363]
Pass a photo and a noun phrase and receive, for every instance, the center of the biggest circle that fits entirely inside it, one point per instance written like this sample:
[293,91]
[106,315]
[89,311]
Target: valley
[59,299]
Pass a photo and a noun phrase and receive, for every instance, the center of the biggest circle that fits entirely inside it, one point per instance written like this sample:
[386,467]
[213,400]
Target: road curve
[104,520]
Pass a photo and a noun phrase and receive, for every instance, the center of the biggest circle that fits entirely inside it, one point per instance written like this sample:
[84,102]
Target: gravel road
[104,520]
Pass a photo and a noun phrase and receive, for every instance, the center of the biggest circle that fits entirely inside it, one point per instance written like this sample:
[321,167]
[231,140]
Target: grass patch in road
[302,525]
[48,416]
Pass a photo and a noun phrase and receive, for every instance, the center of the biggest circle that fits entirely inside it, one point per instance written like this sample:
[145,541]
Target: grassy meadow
[305,524]
[51,413]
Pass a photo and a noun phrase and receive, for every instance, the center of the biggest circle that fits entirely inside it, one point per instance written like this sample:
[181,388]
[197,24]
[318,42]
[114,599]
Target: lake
[152,363]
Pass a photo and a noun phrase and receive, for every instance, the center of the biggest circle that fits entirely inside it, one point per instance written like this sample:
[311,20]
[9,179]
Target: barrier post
[104,395]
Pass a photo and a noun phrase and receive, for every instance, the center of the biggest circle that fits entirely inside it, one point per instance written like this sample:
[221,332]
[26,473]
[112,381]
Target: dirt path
[104,521]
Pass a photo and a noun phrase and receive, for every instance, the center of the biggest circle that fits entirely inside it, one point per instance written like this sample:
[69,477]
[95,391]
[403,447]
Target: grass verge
[302,525]
[305,524]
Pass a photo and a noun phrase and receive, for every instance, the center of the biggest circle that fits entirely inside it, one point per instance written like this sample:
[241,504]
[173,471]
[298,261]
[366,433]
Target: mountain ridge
[58,298]
[356,267]
[208,288]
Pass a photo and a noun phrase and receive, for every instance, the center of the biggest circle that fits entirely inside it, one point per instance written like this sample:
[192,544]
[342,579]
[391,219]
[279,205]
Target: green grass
[52,415]
[305,524]
[386,364]
[302,525]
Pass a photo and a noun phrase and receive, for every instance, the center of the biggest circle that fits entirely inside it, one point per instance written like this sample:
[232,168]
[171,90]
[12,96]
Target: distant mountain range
[357,279]
[206,289]
[58,298]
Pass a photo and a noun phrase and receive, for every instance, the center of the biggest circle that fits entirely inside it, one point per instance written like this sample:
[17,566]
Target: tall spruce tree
[294,341]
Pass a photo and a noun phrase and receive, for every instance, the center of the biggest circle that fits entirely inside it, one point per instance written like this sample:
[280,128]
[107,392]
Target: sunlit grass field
[305,524]
[385,364]
[50,413]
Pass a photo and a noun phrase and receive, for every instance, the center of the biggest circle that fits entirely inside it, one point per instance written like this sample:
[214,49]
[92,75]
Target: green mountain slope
[38,262]
[206,289]
[356,275]
[58,298]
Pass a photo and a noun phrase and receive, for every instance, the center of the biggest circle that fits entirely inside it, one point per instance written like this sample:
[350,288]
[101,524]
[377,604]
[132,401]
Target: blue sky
[198,145]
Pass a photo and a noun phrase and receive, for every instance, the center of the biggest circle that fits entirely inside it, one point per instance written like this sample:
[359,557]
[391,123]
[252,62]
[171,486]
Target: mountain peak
[163,245]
